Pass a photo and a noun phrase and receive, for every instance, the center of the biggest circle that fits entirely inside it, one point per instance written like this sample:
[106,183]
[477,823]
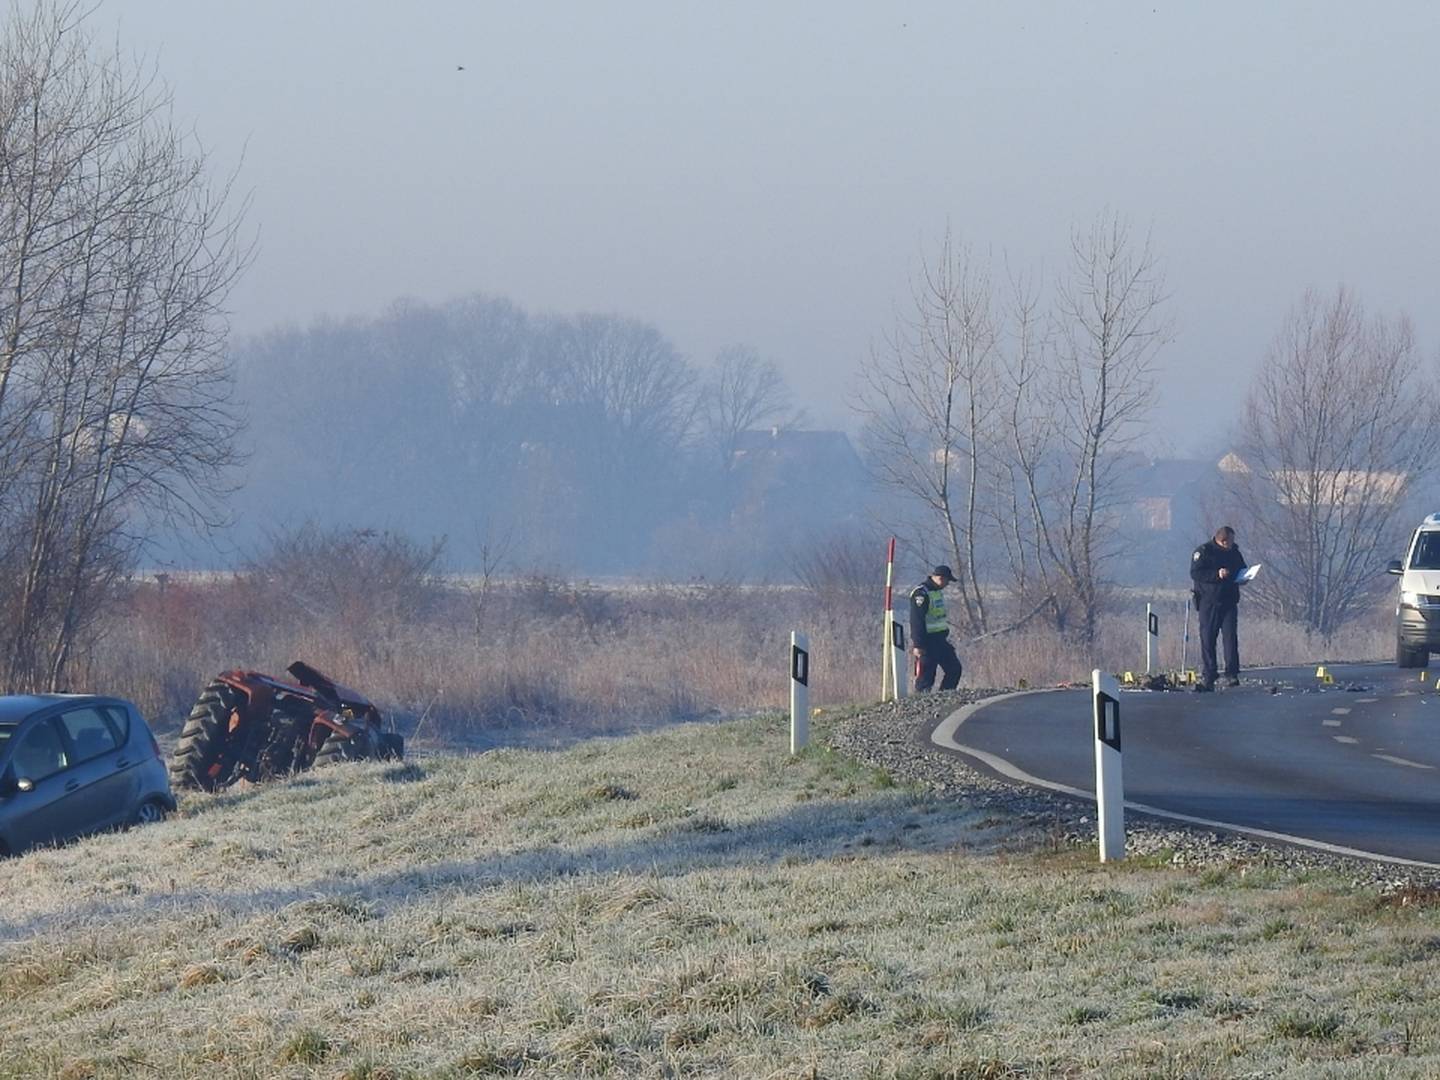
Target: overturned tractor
[250,726]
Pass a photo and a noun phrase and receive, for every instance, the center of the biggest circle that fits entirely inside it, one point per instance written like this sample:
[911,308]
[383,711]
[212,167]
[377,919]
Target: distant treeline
[586,443]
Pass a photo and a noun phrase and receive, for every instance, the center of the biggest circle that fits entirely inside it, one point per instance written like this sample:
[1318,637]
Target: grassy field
[689,902]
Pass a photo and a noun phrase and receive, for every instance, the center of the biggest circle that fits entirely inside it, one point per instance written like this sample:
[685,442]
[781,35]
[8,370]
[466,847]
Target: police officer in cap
[930,632]
[1213,569]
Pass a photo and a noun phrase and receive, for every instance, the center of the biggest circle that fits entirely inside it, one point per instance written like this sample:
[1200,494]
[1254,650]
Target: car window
[90,735]
[1427,552]
[39,753]
[119,723]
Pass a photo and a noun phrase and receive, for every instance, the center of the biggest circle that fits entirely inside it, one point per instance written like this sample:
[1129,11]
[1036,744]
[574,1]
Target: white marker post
[799,691]
[898,667]
[1109,784]
[1152,638]
[1185,641]
[889,673]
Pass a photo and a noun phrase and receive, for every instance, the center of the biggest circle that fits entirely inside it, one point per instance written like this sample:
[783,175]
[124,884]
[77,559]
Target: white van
[1417,616]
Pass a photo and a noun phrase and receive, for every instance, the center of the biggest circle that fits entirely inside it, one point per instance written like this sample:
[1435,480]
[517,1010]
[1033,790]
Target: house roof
[832,448]
[1168,476]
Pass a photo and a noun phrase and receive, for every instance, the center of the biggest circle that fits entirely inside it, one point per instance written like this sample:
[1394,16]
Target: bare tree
[369,583]
[740,392]
[626,383]
[1109,329]
[1010,422]
[1339,424]
[1023,466]
[927,400]
[116,256]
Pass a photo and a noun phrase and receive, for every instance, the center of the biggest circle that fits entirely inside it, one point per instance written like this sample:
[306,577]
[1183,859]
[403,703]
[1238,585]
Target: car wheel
[150,812]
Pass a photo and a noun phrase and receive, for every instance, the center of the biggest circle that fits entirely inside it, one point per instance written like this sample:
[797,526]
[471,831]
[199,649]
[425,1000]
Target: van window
[1426,555]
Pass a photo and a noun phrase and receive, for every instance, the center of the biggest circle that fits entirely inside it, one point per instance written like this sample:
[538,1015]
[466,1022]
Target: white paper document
[1247,574]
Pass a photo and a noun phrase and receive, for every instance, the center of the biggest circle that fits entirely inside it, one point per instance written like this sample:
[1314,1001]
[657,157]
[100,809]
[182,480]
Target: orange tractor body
[251,726]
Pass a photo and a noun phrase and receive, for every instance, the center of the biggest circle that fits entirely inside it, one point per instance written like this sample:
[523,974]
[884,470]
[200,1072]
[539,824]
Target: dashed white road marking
[1401,761]
[1344,739]
[1330,723]
[945,735]
[1342,711]
[1366,700]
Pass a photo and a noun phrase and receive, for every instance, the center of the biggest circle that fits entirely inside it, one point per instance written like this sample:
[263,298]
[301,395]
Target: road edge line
[944,736]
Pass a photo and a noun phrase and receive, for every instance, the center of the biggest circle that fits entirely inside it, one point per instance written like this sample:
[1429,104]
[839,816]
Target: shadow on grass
[810,832]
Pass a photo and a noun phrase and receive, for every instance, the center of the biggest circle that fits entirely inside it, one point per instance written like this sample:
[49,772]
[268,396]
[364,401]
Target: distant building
[783,489]
[814,455]
[1326,487]
[1166,493]
[1164,518]
[787,480]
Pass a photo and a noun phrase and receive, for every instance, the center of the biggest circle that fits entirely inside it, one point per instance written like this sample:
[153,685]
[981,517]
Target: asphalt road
[1351,767]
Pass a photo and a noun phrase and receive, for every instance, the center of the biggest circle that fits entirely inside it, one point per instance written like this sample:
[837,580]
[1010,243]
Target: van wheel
[1407,657]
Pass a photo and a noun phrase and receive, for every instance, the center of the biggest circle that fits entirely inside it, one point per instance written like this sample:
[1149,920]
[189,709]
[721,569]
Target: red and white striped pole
[889,677]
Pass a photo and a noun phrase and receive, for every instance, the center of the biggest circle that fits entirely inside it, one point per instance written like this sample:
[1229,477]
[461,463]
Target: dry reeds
[536,659]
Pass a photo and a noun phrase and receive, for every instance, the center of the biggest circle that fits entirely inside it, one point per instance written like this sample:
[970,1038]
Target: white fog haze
[771,174]
[615,533]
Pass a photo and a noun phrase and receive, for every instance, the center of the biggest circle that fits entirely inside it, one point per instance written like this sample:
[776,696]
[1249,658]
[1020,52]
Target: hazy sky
[770,173]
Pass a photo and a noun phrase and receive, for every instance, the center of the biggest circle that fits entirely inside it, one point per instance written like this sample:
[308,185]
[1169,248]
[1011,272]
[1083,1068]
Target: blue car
[72,764]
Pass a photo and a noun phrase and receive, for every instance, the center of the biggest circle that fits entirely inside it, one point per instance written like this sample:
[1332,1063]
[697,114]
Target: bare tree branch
[1340,423]
[116,258]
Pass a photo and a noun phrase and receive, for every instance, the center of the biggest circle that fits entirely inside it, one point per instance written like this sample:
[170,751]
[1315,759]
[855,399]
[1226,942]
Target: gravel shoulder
[895,737]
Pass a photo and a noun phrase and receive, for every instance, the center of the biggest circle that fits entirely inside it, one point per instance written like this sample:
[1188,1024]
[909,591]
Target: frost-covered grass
[690,902]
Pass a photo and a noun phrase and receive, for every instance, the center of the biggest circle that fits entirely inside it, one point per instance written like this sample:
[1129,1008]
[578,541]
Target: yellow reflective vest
[927,613]
[936,621]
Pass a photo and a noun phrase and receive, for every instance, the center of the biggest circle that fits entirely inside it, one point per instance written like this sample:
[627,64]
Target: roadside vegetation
[691,902]
[533,657]
[686,900]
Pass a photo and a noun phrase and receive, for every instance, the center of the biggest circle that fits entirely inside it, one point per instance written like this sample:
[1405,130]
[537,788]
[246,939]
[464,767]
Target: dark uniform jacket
[920,614]
[1205,566]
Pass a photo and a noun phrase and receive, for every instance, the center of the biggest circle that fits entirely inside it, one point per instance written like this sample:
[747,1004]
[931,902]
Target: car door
[39,814]
[100,779]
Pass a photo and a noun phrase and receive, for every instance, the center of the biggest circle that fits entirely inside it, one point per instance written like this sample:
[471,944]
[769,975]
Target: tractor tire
[196,763]
[390,746]
[337,748]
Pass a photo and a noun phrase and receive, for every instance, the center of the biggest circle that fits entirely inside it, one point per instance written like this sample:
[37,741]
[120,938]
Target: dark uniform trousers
[937,652]
[1218,601]
[1217,616]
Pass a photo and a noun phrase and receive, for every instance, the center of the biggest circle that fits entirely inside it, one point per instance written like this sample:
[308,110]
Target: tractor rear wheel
[196,763]
[337,748]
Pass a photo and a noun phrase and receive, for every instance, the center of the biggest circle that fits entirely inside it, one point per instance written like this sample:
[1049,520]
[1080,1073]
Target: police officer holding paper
[1214,569]
[930,632]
